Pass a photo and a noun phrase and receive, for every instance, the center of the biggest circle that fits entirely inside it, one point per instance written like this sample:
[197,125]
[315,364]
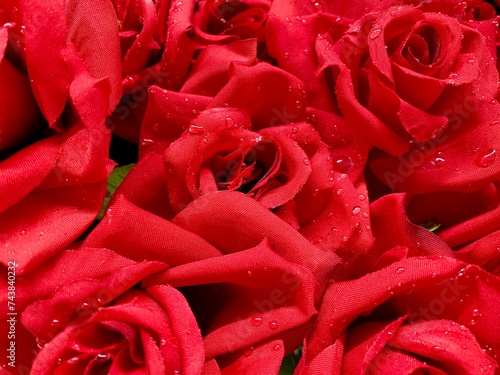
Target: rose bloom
[53,142]
[252,281]
[439,105]
[416,81]
[159,42]
[238,125]
[420,315]
[78,318]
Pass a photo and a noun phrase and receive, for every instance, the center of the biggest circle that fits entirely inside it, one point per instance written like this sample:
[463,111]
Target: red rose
[54,144]
[227,248]
[435,315]
[387,53]
[88,319]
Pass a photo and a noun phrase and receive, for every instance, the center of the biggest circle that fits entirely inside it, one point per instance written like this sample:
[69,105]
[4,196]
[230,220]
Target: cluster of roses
[314,174]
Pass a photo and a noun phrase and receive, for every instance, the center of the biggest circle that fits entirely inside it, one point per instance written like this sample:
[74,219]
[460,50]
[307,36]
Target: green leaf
[430,225]
[290,362]
[115,179]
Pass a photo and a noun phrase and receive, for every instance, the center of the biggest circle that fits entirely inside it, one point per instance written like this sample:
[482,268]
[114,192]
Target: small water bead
[375,33]
[229,122]
[73,360]
[277,347]
[438,348]
[256,320]
[273,325]
[356,210]
[306,161]
[437,162]
[340,191]
[366,215]
[55,323]
[400,270]
[248,352]
[486,158]
[495,123]
[343,164]
[475,313]
[101,357]
[196,129]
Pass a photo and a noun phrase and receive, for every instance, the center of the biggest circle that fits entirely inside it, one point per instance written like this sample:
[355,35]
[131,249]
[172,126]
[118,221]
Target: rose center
[422,47]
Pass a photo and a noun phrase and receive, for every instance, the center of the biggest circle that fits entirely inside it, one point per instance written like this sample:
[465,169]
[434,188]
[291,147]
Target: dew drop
[256,320]
[343,164]
[375,33]
[306,161]
[356,210]
[75,346]
[85,306]
[277,347]
[195,129]
[101,357]
[475,313]
[273,325]
[248,352]
[495,123]
[23,232]
[55,323]
[437,162]
[366,215]
[229,122]
[486,158]
[163,342]
[73,360]
[249,273]
[438,348]
[400,270]
[340,191]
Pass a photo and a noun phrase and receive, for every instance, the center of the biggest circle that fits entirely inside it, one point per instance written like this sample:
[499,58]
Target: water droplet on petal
[101,357]
[248,352]
[495,123]
[343,164]
[23,232]
[229,122]
[277,347]
[356,210]
[437,162]
[195,129]
[486,158]
[340,191]
[273,325]
[163,342]
[256,320]
[55,323]
[375,33]
[306,161]
[73,360]
[400,269]
[438,348]
[475,313]
[75,346]
[85,306]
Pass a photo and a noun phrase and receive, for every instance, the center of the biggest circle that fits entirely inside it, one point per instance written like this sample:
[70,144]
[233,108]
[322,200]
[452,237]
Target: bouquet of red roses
[305,187]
